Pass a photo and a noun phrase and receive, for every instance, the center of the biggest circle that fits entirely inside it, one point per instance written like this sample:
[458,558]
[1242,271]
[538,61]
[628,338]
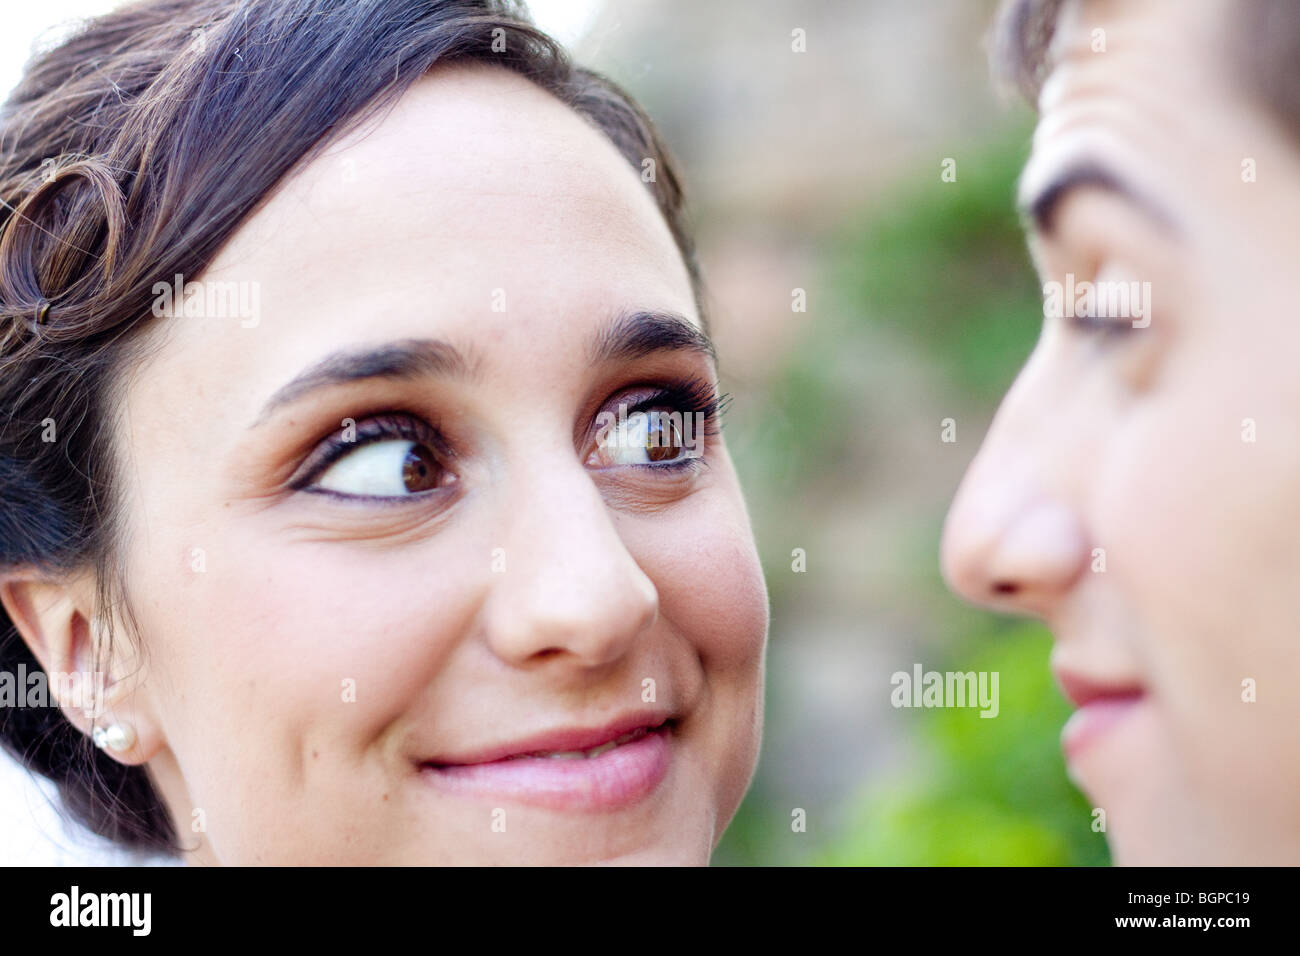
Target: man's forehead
[1128,92]
[1173,40]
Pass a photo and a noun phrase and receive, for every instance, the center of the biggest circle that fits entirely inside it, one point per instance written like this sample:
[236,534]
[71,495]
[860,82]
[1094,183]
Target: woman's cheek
[301,635]
[710,582]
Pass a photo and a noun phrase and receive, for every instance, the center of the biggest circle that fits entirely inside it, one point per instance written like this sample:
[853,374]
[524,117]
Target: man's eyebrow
[631,335]
[403,359]
[1041,208]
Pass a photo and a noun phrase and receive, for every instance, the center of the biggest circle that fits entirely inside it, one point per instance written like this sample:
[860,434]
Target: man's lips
[1102,705]
[596,768]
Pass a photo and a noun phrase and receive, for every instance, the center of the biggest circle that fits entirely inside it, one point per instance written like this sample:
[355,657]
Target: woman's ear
[53,616]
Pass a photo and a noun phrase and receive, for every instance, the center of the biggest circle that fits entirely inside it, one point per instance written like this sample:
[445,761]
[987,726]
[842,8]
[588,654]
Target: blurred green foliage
[938,273]
[944,265]
[995,791]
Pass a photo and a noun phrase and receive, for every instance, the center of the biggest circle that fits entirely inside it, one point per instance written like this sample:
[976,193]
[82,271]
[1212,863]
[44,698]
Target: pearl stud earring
[117,737]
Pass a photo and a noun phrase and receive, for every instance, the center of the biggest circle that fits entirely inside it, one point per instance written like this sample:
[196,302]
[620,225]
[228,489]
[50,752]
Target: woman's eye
[384,469]
[641,438]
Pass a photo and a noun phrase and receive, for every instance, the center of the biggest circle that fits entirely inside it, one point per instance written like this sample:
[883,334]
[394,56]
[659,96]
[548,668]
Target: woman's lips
[616,772]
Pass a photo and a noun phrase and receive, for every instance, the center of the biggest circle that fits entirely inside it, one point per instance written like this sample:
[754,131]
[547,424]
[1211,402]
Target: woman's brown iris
[663,439]
[420,470]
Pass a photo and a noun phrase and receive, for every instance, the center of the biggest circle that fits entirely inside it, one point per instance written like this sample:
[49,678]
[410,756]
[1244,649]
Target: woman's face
[381,553]
[1140,488]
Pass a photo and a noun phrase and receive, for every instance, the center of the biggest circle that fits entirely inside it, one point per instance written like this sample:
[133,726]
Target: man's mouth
[1103,705]
[597,768]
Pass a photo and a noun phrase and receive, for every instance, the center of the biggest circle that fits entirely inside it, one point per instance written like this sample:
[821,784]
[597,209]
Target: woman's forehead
[475,171]
[478,194]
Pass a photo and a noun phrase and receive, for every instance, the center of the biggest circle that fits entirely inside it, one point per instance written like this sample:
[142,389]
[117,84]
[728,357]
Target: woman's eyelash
[701,409]
[695,396]
[388,426]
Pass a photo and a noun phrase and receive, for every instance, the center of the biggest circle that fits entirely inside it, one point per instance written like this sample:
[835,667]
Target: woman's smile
[573,768]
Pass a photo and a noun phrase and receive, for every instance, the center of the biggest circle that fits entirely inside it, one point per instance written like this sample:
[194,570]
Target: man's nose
[1014,540]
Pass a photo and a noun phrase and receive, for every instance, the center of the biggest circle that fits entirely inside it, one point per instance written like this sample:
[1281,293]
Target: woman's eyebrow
[629,335]
[407,358]
[632,335]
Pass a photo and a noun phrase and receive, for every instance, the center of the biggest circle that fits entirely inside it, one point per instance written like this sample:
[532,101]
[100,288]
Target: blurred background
[822,170]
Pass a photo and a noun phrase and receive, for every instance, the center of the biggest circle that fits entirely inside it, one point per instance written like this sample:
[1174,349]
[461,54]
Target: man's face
[1140,486]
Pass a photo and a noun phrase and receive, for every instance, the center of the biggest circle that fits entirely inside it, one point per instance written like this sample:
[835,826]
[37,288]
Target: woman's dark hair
[131,152]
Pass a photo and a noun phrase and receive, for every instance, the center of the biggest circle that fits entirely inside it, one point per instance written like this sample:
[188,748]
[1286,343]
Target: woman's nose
[565,586]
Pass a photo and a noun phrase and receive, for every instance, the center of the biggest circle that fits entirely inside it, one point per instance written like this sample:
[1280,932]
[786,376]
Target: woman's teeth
[584,754]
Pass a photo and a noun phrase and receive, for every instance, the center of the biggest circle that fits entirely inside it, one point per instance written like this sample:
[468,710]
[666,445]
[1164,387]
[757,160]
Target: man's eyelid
[1070,248]
[1038,254]
[1079,230]
[1066,238]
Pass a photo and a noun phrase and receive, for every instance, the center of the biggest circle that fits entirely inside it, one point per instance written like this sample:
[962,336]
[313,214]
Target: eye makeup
[690,396]
[385,426]
[692,404]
